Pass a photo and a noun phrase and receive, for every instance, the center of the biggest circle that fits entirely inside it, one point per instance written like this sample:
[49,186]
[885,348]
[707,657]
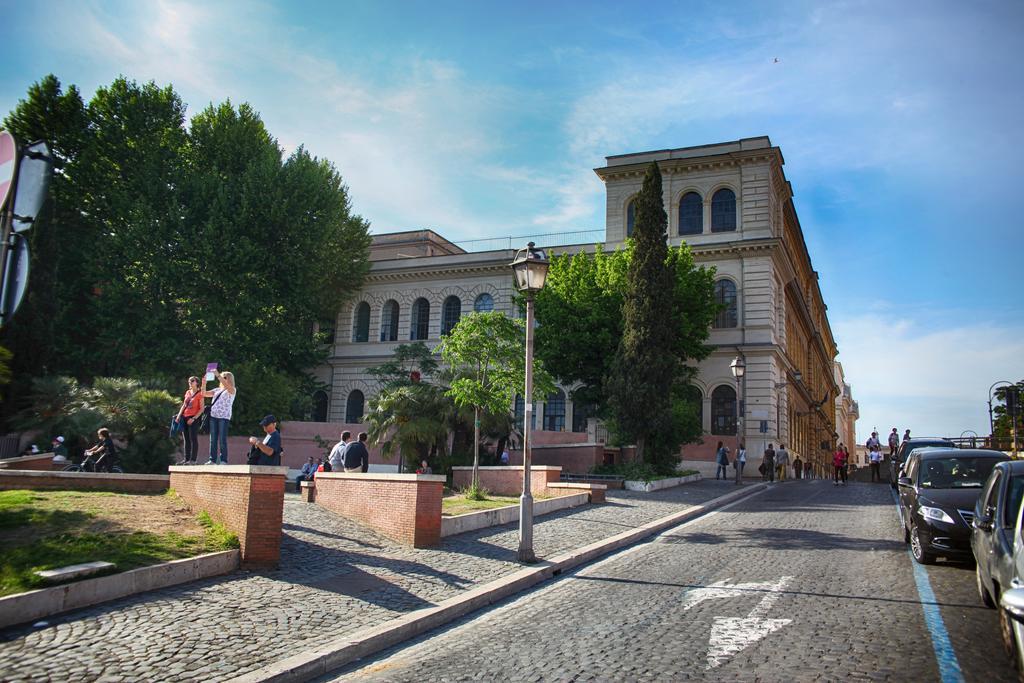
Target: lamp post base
[526,553]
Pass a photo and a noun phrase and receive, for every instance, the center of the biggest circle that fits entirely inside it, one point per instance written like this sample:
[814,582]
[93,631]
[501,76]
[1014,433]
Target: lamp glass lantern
[531,269]
[739,367]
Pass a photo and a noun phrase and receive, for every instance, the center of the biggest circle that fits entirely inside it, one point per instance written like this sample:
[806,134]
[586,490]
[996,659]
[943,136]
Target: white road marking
[731,635]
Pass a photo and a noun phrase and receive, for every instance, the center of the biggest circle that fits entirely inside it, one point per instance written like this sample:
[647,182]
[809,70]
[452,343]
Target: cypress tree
[645,367]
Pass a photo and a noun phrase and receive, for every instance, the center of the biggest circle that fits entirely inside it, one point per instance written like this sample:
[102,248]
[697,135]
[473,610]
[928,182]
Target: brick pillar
[248,500]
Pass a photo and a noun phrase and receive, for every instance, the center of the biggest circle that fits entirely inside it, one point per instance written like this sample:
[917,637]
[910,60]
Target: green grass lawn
[50,529]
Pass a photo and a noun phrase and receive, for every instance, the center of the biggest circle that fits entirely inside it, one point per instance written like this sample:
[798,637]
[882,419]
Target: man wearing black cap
[270,447]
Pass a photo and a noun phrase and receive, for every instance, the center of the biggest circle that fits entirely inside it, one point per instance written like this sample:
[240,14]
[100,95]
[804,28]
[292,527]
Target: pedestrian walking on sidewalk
[839,466]
[894,442]
[741,460]
[798,467]
[722,462]
[782,462]
[846,463]
[768,463]
[876,458]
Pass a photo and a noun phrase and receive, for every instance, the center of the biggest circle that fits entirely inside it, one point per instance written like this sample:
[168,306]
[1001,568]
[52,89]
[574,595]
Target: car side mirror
[1013,602]
[904,481]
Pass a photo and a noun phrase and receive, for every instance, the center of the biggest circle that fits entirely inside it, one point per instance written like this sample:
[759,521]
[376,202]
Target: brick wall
[247,500]
[82,481]
[42,461]
[574,458]
[404,507]
[507,481]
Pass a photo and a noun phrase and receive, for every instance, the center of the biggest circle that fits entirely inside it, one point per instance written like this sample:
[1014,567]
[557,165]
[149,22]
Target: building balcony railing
[545,240]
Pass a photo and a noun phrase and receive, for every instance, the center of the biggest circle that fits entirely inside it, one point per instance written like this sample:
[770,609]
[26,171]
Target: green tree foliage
[645,366]
[413,421]
[486,356]
[167,245]
[408,358]
[1003,420]
[580,314]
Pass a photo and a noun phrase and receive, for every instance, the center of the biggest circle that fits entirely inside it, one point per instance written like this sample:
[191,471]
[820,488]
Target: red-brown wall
[247,500]
[404,507]
[42,461]
[82,481]
[507,481]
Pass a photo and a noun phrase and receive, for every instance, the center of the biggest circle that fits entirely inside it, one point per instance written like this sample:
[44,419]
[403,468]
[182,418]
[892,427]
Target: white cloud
[932,381]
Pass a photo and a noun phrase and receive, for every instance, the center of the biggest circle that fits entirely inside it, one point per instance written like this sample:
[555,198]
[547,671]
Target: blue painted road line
[945,655]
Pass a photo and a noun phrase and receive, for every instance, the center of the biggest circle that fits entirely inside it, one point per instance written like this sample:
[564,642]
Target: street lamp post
[991,422]
[531,269]
[739,368]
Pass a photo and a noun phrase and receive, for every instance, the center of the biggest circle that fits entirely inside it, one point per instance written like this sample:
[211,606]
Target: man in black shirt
[357,457]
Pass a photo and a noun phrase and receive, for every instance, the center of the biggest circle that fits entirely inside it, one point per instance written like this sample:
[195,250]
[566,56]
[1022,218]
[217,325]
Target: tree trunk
[476,447]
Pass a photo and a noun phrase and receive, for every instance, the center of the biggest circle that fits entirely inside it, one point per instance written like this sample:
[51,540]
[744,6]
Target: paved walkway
[336,577]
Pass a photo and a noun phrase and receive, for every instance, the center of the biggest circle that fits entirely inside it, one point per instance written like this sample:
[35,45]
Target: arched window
[630,216]
[691,214]
[484,303]
[723,211]
[361,329]
[420,323]
[723,411]
[389,321]
[554,412]
[520,414]
[354,408]
[450,314]
[319,413]
[725,296]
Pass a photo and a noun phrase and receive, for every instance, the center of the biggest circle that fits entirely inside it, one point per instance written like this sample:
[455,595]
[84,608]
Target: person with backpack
[722,461]
[188,419]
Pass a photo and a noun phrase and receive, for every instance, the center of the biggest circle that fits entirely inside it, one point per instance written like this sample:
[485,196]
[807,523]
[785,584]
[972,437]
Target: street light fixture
[531,270]
[739,368]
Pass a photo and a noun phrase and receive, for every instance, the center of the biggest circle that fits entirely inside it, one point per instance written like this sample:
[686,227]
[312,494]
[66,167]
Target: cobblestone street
[802,582]
[336,577]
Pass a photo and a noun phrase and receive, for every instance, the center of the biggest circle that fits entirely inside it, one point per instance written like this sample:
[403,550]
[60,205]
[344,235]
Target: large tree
[645,365]
[167,245]
[486,357]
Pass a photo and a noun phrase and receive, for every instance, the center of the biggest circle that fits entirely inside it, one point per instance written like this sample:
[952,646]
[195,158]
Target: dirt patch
[95,512]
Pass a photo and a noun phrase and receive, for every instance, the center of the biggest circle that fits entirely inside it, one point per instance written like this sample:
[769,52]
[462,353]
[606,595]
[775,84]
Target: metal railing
[544,240]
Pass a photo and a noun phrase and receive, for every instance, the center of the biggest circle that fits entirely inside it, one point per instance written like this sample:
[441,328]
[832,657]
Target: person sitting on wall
[270,447]
[306,474]
[424,468]
[357,457]
[60,451]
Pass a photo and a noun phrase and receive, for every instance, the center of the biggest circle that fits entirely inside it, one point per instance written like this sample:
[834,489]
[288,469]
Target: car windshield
[956,473]
[1013,498]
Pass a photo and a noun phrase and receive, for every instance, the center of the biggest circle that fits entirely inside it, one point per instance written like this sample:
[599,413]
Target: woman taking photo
[220,416]
[188,418]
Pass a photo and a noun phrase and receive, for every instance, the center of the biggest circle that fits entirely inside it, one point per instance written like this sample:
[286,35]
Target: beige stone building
[847,413]
[732,204]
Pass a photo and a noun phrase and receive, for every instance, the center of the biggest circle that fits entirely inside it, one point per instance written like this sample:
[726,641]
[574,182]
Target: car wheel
[921,555]
[982,593]
[1006,634]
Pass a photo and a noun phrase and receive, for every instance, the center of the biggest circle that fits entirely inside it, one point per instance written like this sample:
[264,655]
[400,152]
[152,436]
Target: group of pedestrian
[840,465]
[348,455]
[189,419]
[722,461]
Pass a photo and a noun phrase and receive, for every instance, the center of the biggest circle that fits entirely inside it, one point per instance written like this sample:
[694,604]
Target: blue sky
[898,121]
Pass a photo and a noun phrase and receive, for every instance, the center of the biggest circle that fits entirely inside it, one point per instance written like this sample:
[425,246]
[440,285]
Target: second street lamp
[739,368]
[531,270]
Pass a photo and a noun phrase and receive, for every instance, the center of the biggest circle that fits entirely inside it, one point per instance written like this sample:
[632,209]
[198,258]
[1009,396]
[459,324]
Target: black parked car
[938,492]
[907,447]
[995,516]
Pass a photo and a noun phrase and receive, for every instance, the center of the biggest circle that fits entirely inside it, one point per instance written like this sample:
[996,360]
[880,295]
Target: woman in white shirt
[220,416]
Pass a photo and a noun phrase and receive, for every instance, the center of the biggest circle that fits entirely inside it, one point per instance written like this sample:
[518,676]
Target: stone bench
[307,489]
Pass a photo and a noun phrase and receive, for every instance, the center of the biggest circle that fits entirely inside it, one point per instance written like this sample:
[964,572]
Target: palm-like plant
[414,419]
[51,401]
[113,397]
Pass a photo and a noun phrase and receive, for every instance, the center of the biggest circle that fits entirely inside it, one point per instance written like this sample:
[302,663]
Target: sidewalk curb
[343,651]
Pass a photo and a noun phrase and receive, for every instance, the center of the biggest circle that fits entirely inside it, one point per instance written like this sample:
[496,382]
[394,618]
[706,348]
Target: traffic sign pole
[8,146]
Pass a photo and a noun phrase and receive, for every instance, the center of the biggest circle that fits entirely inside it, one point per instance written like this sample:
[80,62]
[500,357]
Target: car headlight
[937,514]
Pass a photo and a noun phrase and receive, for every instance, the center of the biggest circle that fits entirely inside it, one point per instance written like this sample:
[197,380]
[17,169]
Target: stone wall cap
[514,468]
[380,476]
[82,475]
[48,455]
[229,469]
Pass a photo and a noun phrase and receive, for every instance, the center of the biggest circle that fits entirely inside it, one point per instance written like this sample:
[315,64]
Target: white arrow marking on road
[725,589]
[731,635]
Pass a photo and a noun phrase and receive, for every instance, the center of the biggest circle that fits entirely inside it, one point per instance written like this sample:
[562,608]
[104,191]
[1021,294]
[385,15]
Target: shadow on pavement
[787,539]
